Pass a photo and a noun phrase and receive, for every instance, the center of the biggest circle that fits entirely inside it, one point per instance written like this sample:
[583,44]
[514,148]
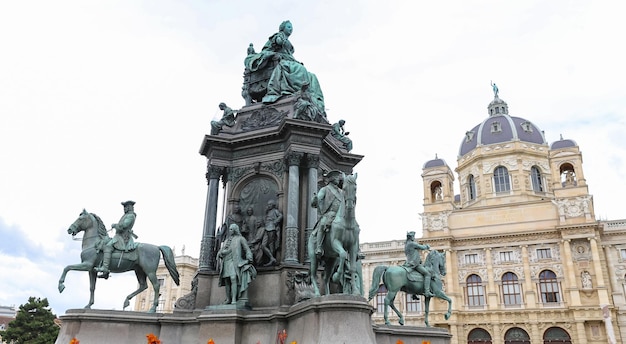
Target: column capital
[312,161]
[294,158]
[214,172]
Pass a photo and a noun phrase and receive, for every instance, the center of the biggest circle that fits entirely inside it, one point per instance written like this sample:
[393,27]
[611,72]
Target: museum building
[526,259]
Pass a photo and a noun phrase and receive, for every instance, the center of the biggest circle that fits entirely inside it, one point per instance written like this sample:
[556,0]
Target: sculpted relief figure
[236,270]
[250,225]
[306,109]
[123,239]
[235,217]
[270,239]
[289,75]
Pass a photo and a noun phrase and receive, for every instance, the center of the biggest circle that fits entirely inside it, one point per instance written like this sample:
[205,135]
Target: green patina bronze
[412,278]
[141,258]
[335,238]
[340,134]
[236,269]
[228,119]
[287,76]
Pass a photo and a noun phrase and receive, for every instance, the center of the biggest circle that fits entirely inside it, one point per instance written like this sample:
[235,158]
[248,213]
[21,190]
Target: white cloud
[107,101]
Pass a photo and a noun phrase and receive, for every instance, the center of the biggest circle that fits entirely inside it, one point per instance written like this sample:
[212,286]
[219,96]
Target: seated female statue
[289,75]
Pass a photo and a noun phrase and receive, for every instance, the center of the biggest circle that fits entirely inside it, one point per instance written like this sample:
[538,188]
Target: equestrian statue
[412,278]
[335,238]
[101,253]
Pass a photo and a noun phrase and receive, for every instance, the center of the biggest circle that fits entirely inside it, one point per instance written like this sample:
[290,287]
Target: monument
[271,158]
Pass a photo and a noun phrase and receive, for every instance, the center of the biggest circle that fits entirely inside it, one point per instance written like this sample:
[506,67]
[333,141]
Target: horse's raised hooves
[61,287]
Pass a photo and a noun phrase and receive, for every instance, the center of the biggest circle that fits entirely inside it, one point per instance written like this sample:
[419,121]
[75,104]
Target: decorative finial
[436,156]
[561,135]
[495,89]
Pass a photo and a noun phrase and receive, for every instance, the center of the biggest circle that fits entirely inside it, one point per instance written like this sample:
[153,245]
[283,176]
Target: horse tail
[170,263]
[378,273]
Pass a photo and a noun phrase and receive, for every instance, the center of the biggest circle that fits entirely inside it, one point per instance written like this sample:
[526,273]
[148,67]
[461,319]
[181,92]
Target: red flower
[210,341]
[74,341]
[152,339]
[282,335]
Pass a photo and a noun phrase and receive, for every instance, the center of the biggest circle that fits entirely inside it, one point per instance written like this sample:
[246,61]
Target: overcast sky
[106,101]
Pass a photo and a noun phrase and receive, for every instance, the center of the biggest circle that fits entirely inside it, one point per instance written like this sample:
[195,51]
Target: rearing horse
[145,264]
[395,279]
[341,246]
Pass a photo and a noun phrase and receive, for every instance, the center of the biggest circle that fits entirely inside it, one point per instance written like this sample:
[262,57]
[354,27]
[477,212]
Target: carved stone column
[207,254]
[312,163]
[293,200]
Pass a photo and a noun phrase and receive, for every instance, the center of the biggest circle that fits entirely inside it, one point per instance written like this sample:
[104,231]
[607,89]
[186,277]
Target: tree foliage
[33,324]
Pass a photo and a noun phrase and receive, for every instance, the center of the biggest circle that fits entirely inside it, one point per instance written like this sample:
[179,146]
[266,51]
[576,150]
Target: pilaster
[293,201]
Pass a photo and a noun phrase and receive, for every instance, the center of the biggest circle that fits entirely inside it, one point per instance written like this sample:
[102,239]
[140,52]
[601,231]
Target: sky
[107,101]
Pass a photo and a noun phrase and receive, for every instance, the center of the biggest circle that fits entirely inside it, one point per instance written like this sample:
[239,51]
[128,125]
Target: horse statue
[396,278]
[340,247]
[144,260]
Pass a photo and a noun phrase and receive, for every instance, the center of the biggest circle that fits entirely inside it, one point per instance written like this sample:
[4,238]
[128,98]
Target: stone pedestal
[326,319]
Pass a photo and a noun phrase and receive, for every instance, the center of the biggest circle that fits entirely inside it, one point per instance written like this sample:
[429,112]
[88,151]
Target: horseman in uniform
[327,201]
[414,260]
[123,239]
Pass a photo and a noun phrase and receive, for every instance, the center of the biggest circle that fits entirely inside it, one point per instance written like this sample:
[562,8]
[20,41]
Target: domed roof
[435,163]
[499,127]
[563,144]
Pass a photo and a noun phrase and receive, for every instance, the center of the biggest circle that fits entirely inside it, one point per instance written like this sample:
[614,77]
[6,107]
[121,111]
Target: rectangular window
[506,256]
[549,292]
[622,253]
[161,281]
[475,295]
[471,258]
[512,294]
[380,300]
[414,306]
[544,253]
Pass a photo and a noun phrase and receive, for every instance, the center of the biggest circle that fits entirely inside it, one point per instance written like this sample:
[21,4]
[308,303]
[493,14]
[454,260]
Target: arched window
[556,335]
[568,175]
[413,305]
[501,179]
[511,291]
[471,187]
[516,335]
[475,291]
[380,298]
[535,177]
[436,191]
[478,336]
[549,287]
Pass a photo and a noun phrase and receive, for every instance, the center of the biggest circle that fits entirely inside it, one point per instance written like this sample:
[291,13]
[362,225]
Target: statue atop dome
[495,90]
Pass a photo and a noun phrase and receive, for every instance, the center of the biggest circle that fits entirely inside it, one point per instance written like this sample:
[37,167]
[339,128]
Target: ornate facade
[527,260]
[170,292]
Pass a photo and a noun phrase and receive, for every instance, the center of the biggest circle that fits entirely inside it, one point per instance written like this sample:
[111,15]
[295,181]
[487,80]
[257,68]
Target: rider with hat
[414,260]
[123,239]
[328,200]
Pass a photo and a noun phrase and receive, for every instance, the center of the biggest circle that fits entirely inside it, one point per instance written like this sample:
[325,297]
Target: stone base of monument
[327,319]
